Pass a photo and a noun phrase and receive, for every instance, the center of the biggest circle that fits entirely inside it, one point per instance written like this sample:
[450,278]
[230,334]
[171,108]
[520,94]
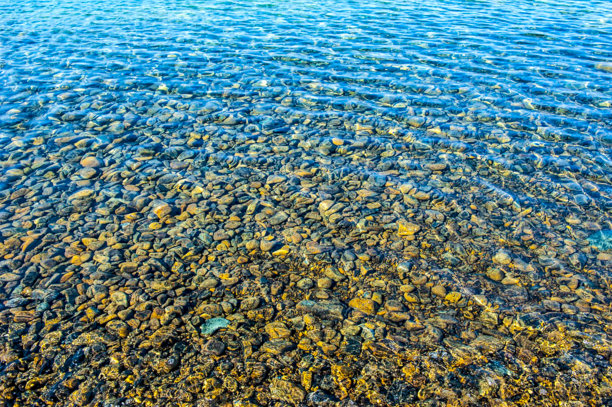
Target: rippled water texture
[305,203]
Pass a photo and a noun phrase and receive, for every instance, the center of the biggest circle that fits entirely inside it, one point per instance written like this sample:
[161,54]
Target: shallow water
[308,203]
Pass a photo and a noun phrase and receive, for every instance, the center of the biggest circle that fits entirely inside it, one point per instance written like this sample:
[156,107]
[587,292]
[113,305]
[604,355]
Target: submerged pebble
[213,325]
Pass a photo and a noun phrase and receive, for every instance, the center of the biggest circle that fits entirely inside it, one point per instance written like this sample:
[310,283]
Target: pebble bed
[305,203]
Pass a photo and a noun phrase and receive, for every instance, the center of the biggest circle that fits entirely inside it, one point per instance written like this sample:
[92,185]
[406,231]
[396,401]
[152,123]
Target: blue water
[248,144]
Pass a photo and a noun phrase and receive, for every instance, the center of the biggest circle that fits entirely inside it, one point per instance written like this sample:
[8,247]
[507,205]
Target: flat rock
[276,330]
[286,391]
[502,257]
[277,346]
[213,325]
[161,209]
[266,245]
[81,194]
[277,219]
[120,298]
[365,305]
[324,309]
[91,162]
[214,347]
[405,228]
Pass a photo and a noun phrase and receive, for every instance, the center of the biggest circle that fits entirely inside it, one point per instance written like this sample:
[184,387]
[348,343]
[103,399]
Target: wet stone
[87,173]
[120,298]
[408,228]
[400,393]
[213,325]
[161,209]
[91,162]
[439,291]
[495,274]
[602,240]
[277,346]
[502,257]
[267,245]
[214,347]
[305,284]
[365,305]
[278,218]
[286,391]
[276,330]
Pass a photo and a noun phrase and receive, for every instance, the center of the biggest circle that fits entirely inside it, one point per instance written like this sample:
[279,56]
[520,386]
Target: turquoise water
[384,203]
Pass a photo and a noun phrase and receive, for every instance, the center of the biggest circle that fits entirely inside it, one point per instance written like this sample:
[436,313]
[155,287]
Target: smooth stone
[214,347]
[437,166]
[325,309]
[453,297]
[604,66]
[7,277]
[286,391]
[276,330]
[83,193]
[267,245]
[277,346]
[275,179]
[325,205]
[220,235]
[602,240]
[278,218]
[87,173]
[161,209]
[91,162]
[439,291]
[119,327]
[365,305]
[404,267]
[315,248]
[305,284]
[407,228]
[325,283]
[495,274]
[120,298]
[213,325]
[250,303]
[502,257]
[128,267]
[209,283]
[487,343]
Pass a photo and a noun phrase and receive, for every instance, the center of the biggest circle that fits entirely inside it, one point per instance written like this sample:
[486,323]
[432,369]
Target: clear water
[469,142]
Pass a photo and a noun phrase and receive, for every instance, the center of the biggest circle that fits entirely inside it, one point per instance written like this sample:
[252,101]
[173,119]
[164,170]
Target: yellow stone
[365,305]
[283,251]
[83,193]
[277,330]
[604,66]
[28,241]
[162,209]
[453,296]
[131,216]
[439,290]
[91,162]
[308,319]
[407,228]
[88,240]
[307,380]
[361,127]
